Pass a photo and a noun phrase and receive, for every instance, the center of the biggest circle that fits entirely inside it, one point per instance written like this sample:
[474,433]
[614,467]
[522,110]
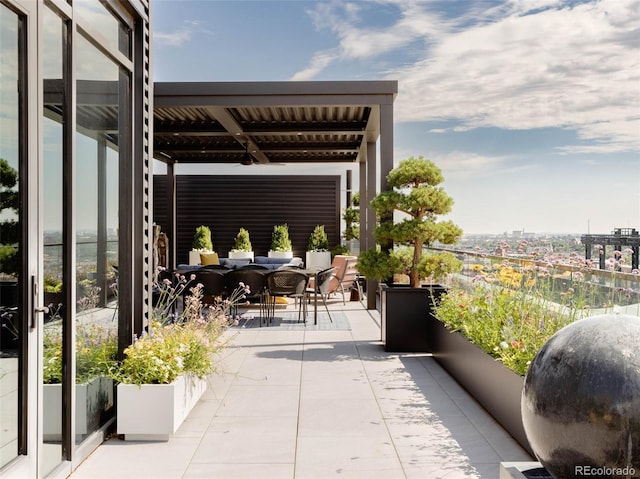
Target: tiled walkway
[320,404]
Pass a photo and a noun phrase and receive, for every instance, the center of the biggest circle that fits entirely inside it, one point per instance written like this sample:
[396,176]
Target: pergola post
[366,232]
[171,216]
[386,165]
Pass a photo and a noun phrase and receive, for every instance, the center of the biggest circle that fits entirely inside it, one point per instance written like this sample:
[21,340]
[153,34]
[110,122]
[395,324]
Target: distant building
[618,238]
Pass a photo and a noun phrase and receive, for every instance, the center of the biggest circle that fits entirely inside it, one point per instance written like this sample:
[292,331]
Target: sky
[531,108]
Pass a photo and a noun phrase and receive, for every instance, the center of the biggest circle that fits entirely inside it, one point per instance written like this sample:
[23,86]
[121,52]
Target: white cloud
[180,36]
[523,64]
[460,165]
[176,38]
[318,63]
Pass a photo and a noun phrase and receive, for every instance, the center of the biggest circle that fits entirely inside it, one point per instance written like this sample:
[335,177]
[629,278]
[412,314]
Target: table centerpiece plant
[415,194]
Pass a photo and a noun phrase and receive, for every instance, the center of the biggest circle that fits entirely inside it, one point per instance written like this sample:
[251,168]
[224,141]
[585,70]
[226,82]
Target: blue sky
[530,107]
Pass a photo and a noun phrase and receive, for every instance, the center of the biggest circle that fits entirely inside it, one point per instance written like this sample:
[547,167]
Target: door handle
[34,298]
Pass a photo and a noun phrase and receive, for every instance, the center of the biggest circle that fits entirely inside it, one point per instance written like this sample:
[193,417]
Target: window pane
[53,31]
[11,318]
[116,33]
[100,87]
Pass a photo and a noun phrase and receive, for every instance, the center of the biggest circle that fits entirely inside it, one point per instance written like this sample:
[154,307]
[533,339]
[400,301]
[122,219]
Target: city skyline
[529,107]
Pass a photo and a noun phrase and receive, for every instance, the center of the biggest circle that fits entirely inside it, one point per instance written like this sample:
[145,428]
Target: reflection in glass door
[11,216]
[55,321]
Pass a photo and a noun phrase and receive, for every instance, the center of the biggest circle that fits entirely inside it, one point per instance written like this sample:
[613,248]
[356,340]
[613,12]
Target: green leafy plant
[52,284]
[280,239]
[415,192]
[242,241]
[202,239]
[318,240]
[351,217]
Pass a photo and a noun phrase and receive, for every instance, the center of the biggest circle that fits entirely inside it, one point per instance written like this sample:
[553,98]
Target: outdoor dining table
[313,272]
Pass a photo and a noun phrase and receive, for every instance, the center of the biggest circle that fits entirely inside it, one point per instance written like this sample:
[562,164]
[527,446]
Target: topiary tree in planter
[280,241]
[242,241]
[242,248]
[318,254]
[201,244]
[415,192]
[318,240]
[202,239]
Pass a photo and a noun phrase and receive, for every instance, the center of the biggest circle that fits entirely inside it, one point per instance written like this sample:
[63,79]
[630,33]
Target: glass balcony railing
[570,281]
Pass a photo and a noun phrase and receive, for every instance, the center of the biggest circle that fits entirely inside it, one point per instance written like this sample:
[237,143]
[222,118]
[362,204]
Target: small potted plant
[280,242]
[416,193]
[351,217]
[242,248]
[318,254]
[201,244]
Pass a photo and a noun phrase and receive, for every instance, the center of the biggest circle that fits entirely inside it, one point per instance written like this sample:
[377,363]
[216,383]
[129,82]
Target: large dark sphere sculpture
[581,399]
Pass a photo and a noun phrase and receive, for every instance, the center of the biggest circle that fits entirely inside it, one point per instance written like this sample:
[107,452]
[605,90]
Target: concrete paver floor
[320,404]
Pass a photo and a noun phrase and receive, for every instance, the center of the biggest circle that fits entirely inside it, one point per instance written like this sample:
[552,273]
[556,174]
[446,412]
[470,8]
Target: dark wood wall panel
[257,203]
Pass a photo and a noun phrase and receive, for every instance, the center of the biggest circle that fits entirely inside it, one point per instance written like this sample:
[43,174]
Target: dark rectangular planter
[404,312]
[493,385]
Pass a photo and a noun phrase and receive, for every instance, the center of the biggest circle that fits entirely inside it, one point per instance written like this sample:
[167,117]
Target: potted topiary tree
[242,248]
[351,217]
[416,193]
[318,254]
[201,244]
[280,242]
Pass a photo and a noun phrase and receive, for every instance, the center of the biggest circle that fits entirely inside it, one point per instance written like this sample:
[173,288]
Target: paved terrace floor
[320,404]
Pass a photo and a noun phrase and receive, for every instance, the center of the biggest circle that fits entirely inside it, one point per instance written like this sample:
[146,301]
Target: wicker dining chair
[287,283]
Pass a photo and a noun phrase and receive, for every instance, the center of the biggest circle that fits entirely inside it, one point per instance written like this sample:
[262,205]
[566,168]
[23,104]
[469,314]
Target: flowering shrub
[511,311]
[178,343]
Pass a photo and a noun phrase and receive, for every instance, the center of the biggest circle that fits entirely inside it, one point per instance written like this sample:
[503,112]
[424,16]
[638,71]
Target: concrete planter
[241,255]
[318,259]
[280,254]
[152,412]
[493,385]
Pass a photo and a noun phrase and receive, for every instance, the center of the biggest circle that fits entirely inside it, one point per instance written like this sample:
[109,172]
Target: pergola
[278,123]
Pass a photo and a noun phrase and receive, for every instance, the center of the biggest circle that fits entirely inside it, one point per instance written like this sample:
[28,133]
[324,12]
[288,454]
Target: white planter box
[241,255]
[194,258]
[152,412]
[280,254]
[92,399]
[318,259]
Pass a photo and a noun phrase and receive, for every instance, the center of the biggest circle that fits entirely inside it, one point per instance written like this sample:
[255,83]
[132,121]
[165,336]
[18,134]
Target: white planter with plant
[242,248]
[164,372]
[280,243]
[318,254]
[201,244]
[152,412]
